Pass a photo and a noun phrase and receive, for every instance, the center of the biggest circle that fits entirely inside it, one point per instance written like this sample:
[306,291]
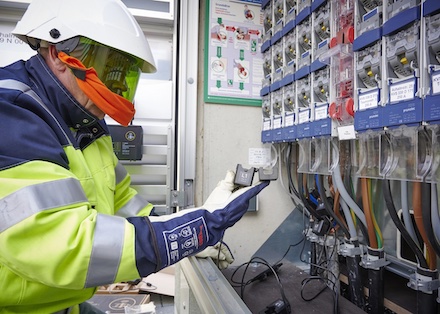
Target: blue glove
[164,240]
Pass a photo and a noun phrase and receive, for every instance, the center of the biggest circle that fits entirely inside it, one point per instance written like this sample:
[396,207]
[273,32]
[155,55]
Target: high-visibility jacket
[69,221]
[60,188]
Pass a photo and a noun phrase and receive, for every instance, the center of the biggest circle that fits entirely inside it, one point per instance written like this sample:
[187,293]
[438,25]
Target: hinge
[177,199]
[183,198]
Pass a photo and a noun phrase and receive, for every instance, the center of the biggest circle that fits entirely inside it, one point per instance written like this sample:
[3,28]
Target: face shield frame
[118,70]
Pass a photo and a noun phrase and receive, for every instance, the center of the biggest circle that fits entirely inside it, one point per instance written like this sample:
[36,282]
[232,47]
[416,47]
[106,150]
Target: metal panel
[212,291]
[153,176]
[187,98]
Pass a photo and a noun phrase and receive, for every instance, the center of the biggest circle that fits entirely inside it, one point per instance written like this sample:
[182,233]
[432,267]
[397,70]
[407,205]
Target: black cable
[426,217]
[329,207]
[303,198]
[262,261]
[406,236]
[325,269]
[289,170]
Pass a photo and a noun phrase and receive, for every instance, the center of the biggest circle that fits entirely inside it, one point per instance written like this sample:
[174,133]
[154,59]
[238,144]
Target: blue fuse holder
[401,20]
[431,7]
[431,108]
[405,111]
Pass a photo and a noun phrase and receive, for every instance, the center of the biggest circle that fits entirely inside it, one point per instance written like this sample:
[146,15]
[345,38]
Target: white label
[289,120]
[303,116]
[346,132]
[436,83]
[402,91]
[266,125]
[277,123]
[259,156]
[321,112]
[368,100]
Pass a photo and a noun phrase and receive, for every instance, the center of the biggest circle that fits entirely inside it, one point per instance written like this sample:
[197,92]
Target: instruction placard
[233,59]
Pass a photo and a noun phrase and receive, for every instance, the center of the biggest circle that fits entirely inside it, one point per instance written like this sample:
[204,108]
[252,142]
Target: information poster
[233,59]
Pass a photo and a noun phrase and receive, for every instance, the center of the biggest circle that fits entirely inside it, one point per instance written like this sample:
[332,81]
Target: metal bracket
[312,237]
[350,250]
[177,198]
[423,283]
[373,262]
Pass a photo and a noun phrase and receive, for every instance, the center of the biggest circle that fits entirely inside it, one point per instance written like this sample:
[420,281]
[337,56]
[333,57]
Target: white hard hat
[105,21]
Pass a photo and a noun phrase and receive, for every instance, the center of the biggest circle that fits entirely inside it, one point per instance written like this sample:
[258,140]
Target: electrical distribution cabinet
[359,88]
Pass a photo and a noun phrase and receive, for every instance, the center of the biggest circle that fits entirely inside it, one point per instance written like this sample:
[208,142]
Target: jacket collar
[47,84]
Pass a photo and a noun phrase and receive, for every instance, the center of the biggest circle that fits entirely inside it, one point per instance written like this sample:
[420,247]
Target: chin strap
[114,105]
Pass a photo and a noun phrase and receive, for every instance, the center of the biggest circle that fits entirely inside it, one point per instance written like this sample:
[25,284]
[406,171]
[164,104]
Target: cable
[337,180]
[337,210]
[406,236]
[379,235]
[427,223]
[289,169]
[307,205]
[262,261]
[418,216]
[349,219]
[291,188]
[405,210]
[435,216]
[367,212]
[324,269]
[328,206]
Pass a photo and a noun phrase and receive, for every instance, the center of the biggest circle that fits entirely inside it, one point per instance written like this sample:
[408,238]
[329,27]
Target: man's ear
[55,64]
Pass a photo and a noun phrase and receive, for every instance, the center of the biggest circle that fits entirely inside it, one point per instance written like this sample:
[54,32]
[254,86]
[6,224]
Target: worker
[69,220]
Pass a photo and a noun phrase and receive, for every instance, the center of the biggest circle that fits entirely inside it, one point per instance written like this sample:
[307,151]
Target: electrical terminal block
[369,5]
[266,106]
[321,48]
[289,98]
[266,111]
[394,7]
[290,14]
[433,38]
[370,20]
[290,47]
[277,55]
[277,102]
[305,59]
[322,22]
[290,4]
[267,62]
[302,4]
[368,66]
[267,81]
[305,35]
[303,92]
[321,85]
[278,10]
[402,51]
[267,15]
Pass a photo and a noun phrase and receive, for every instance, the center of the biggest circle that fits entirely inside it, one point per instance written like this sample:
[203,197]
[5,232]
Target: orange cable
[367,212]
[418,217]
